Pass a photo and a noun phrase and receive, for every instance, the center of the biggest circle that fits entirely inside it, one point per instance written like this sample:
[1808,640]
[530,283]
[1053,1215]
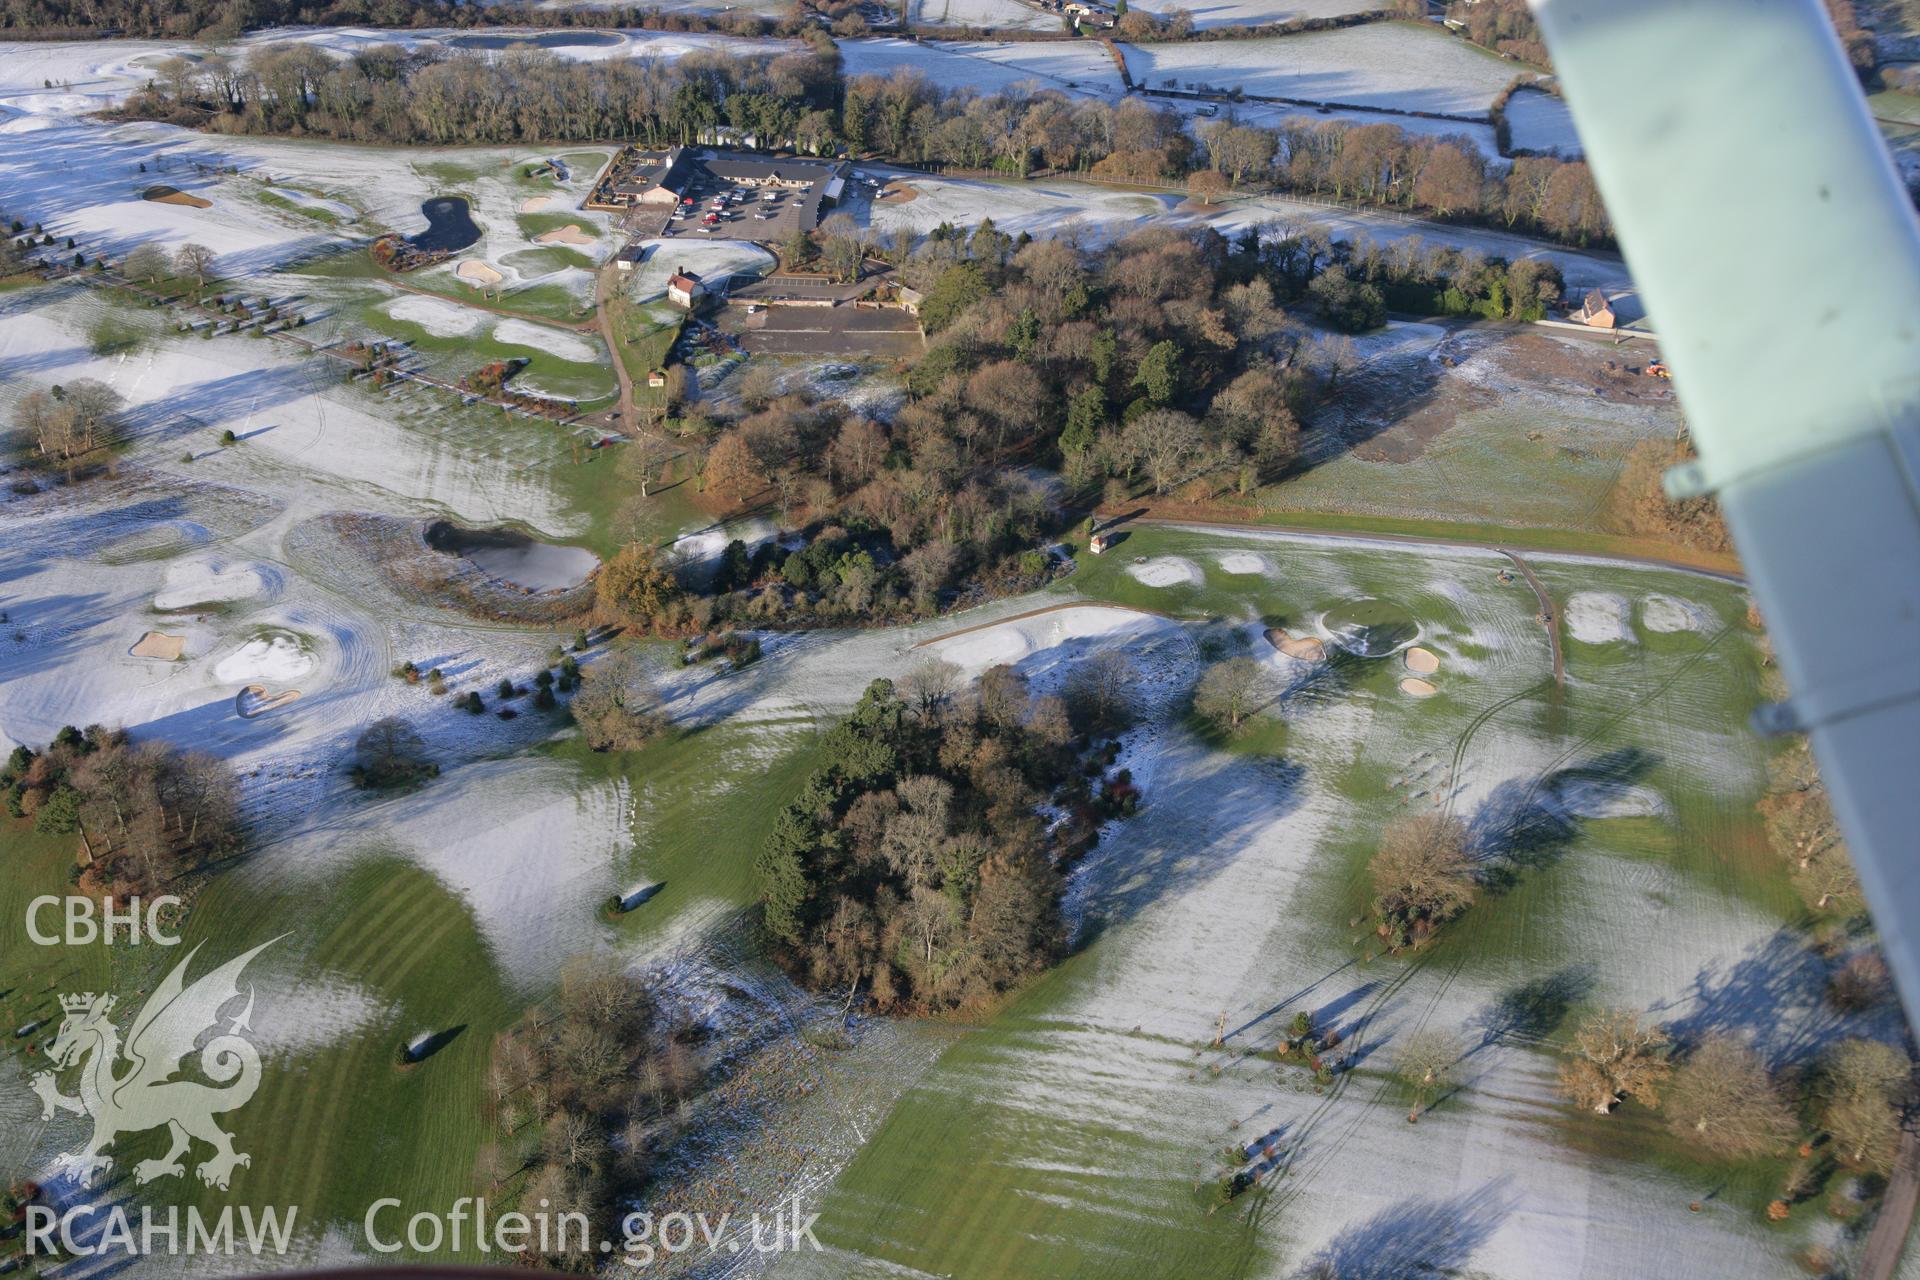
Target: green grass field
[337,1125]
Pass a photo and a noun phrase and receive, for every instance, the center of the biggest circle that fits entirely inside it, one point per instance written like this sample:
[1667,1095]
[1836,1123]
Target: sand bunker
[255,700]
[1165,571]
[1417,688]
[173,195]
[898,193]
[569,234]
[1667,614]
[158,644]
[477,272]
[1244,562]
[534,204]
[276,658]
[439,317]
[1599,617]
[558,343]
[1422,662]
[1303,648]
[201,582]
[1083,627]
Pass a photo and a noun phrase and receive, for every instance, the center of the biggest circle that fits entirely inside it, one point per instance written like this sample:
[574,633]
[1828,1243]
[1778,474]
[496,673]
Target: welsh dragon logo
[132,1087]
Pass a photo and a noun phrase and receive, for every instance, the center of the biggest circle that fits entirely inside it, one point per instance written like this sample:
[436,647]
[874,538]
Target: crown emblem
[85,1002]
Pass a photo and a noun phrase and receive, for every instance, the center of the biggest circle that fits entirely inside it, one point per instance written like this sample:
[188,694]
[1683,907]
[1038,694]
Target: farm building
[1595,310]
[684,288]
[664,178]
[629,258]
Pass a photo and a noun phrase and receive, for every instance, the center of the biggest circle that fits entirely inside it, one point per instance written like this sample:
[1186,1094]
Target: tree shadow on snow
[1527,823]
[1774,998]
[1193,827]
[1417,1237]
[1532,1011]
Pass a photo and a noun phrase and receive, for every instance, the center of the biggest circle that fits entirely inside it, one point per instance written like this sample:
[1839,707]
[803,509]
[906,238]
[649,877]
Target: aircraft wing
[1778,257]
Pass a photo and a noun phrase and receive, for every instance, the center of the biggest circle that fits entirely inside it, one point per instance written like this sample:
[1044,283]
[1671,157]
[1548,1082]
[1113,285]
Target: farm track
[1632,707]
[1474,726]
[1548,612]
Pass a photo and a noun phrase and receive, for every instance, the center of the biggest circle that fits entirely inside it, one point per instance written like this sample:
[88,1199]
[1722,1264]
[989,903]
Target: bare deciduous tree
[1425,1062]
[929,686]
[1421,873]
[1613,1057]
[616,707]
[1862,1084]
[1099,692]
[1723,1101]
[148,263]
[1166,442]
[194,260]
[1003,696]
[1229,692]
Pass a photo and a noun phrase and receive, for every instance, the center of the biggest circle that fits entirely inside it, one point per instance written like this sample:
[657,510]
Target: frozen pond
[514,557]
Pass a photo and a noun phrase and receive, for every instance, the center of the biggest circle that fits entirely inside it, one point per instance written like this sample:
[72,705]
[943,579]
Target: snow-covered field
[1539,121]
[1055,206]
[1072,66]
[1275,116]
[1599,617]
[1254,13]
[983,13]
[1412,68]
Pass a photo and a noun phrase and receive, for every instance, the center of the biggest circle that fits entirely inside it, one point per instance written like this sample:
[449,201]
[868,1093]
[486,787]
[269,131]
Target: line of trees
[800,100]
[1722,1099]
[1800,825]
[220,20]
[388,94]
[914,862]
[908,118]
[144,813]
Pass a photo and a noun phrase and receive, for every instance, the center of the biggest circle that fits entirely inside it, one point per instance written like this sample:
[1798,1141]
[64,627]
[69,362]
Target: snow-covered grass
[338,210]
[276,657]
[540,337]
[983,13]
[1540,121]
[1598,617]
[1663,613]
[1072,66]
[1165,571]
[1253,13]
[439,317]
[1408,66]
